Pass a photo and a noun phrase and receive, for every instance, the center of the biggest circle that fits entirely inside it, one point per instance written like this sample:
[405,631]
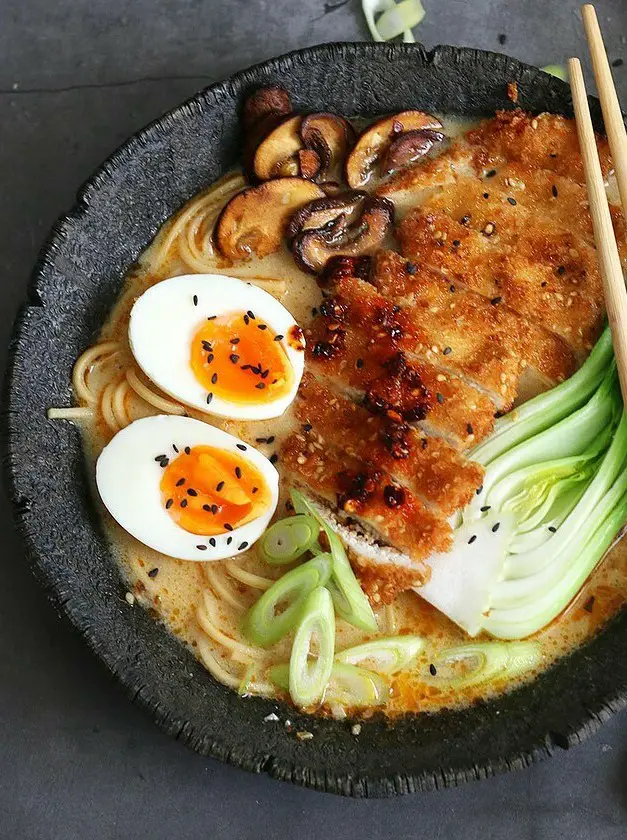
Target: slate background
[77,760]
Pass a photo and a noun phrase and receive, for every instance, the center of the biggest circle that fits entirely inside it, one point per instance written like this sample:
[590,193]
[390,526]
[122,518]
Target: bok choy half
[553,500]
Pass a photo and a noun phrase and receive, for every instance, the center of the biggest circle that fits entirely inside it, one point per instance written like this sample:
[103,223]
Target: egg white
[128,480]
[165,319]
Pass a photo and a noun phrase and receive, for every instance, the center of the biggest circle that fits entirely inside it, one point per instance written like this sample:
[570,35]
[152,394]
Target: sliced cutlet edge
[542,278]
[392,514]
[437,303]
[428,466]
[492,366]
[377,375]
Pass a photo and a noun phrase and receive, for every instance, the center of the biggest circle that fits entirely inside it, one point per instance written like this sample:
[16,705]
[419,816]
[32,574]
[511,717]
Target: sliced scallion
[311,659]
[479,662]
[350,601]
[557,70]
[387,656]
[288,539]
[348,685]
[393,18]
[265,624]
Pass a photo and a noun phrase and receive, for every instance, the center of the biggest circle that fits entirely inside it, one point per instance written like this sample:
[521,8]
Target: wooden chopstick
[612,116]
[607,251]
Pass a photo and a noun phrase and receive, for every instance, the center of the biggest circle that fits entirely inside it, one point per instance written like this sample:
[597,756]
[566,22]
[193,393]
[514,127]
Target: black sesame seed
[234,358]
[229,540]
[553,154]
[440,398]
[554,190]
[561,269]
[153,572]
[360,363]
[238,472]
[270,439]
[496,300]
[446,351]
[242,546]
[251,314]
[228,527]
[195,299]
[472,539]
[191,491]
[209,397]
[210,358]
[411,268]
[307,427]
[265,373]
[184,503]
[512,201]
[618,62]
[260,386]
[211,317]
[201,547]
[274,458]
[219,486]
[255,489]
[262,326]
[465,220]
[175,447]
[552,529]
[214,509]
[451,288]
[486,195]
[491,173]
[246,367]
[432,670]
[456,243]
[207,508]
[187,450]
[479,489]
[496,527]
[169,504]
[279,337]
[159,457]
[241,446]
[180,482]
[485,508]
[246,320]
[261,440]
[212,542]
[544,283]
[163,463]
[214,378]
[235,340]
[469,428]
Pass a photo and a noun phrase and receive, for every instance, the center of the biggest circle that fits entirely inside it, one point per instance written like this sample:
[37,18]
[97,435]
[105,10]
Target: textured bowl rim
[594,709]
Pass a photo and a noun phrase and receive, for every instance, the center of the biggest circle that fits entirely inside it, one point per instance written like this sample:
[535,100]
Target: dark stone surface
[60,777]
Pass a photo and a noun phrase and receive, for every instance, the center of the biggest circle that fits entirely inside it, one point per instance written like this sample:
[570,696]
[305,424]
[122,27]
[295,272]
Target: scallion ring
[264,624]
[288,539]
[387,656]
[311,659]
[484,661]
[348,685]
[350,601]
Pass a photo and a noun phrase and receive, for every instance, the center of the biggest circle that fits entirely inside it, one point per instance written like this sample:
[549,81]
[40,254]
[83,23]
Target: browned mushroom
[330,137]
[407,148]
[265,102]
[253,222]
[373,143]
[312,147]
[350,224]
[276,154]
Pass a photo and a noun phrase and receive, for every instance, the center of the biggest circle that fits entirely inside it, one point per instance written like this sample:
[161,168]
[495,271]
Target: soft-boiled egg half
[218,344]
[187,489]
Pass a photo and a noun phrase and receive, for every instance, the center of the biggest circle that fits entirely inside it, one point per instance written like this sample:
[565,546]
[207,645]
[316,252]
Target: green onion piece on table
[393,19]
[557,70]
[387,656]
[311,659]
[288,539]
[265,625]
[350,601]
[479,662]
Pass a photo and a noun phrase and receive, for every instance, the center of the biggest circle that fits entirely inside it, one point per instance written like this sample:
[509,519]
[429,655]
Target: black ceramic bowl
[76,280]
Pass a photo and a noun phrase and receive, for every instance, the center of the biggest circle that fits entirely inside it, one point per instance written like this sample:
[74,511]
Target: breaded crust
[428,466]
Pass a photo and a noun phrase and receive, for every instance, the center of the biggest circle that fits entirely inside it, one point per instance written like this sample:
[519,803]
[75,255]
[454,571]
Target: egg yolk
[238,358]
[210,491]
